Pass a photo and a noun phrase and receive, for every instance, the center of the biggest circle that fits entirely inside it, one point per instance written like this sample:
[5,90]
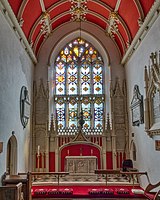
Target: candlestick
[91,152]
[38,150]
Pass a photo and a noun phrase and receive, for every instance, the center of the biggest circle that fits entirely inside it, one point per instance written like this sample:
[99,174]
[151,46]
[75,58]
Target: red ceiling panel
[146,5]
[96,20]
[30,15]
[61,20]
[49,3]
[119,44]
[15,4]
[111,3]
[98,9]
[39,44]
[128,11]
[97,13]
[36,32]
[59,9]
[123,33]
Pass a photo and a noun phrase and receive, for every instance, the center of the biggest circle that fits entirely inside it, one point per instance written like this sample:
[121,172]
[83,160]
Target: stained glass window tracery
[79,85]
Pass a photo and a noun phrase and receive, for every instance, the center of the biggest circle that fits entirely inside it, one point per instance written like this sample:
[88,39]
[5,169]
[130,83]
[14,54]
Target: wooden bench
[24,178]
[11,192]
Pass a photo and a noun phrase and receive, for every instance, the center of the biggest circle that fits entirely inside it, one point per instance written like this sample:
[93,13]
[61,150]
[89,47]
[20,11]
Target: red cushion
[53,191]
[107,191]
[40,192]
[95,191]
[66,191]
[122,191]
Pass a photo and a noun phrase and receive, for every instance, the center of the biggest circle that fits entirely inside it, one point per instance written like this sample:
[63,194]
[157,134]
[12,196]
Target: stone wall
[16,70]
[148,159]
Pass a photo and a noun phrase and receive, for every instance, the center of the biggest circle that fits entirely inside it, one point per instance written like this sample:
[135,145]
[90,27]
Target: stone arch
[133,150]
[12,155]
[88,148]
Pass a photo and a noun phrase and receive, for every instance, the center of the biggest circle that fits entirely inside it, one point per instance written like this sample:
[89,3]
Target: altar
[81,164]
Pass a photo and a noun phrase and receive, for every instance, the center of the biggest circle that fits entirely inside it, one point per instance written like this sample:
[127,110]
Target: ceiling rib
[21,9]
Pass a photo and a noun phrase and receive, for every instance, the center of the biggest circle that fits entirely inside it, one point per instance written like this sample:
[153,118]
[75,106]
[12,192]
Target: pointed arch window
[79,85]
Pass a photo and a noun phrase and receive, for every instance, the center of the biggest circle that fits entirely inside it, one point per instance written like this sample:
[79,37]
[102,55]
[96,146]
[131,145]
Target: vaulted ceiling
[120,19]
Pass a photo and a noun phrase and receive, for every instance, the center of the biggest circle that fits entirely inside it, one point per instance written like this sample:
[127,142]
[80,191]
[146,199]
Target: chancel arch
[54,136]
[98,45]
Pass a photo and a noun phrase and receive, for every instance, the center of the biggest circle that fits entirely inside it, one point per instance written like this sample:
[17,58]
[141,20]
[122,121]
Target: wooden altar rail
[130,174]
[56,174]
[12,192]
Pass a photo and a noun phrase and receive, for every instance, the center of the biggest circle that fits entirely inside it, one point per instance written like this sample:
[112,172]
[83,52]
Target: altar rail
[25,181]
[132,175]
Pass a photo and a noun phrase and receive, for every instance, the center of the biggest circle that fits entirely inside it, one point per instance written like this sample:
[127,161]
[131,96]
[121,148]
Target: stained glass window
[79,85]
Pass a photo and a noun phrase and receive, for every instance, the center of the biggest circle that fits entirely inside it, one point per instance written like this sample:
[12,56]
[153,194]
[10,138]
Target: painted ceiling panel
[128,11]
[118,18]
[119,44]
[111,3]
[39,44]
[30,15]
[49,3]
[60,21]
[96,20]
[15,4]
[146,5]
[36,32]
[123,33]
[98,9]
[59,9]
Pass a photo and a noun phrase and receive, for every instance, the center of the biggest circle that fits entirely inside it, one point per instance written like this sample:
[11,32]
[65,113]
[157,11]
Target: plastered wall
[16,70]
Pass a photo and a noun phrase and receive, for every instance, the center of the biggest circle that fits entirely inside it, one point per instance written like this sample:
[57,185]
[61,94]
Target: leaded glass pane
[72,78]
[97,79]
[60,78]
[87,114]
[79,85]
[85,79]
[73,113]
[98,115]
[60,110]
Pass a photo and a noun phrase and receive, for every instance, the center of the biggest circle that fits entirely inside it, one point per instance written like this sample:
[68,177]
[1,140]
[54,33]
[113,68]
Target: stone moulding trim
[152,133]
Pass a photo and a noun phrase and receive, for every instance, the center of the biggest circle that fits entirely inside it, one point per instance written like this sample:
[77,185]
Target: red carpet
[85,192]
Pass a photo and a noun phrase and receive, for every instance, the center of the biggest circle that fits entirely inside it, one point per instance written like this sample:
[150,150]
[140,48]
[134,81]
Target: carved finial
[140,22]
[34,88]
[108,123]
[52,123]
[47,89]
[146,75]
[153,57]
[111,89]
[124,88]
[117,90]
[21,21]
